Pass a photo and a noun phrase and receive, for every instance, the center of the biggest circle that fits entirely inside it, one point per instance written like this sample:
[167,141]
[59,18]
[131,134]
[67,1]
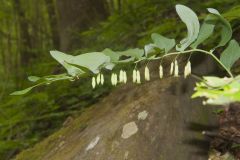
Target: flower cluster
[136,75]
[99,80]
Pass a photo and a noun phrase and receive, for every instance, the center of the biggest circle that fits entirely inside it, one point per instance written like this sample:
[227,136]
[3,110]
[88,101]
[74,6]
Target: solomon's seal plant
[216,90]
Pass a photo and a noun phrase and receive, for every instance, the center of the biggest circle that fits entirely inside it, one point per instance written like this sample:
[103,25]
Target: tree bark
[24,37]
[51,9]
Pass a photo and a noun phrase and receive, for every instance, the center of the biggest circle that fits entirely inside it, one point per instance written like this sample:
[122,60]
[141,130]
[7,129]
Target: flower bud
[160,71]
[134,76]
[102,79]
[93,82]
[175,69]
[171,69]
[187,69]
[125,77]
[98,79]
[120,76]
[115,79]
[147,74]
[112,79]
[138,77]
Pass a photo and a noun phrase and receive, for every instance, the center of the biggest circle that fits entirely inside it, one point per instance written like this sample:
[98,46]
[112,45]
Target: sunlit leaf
[192,23]
[216,81]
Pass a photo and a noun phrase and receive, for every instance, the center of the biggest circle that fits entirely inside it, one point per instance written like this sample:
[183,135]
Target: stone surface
[93,143]
[169,131]
[142,115]
[129,129]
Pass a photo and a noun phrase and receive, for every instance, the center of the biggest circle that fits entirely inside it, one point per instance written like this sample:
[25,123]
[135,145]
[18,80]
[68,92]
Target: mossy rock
[152,121]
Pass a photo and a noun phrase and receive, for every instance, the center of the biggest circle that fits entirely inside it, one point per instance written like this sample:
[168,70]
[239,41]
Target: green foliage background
[26,120]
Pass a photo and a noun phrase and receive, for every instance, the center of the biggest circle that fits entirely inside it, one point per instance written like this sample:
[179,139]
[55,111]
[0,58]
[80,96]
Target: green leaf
[192,23]
[93,61]
[136,53]
[126,60]
[113,55]
[205,32]
[42,80]
[226,32]
[162,42]
[62,58]
[22,92]
[150,49]
[33,78]
[216,81]
[231,54]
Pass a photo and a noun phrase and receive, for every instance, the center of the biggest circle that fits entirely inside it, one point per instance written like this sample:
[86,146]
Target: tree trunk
[24,37]
[76,16]
[53,23]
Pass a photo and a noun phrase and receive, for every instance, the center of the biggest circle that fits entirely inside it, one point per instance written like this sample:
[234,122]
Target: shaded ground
[153,121]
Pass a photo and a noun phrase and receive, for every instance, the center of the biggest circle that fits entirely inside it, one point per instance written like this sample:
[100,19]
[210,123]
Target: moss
[49,144]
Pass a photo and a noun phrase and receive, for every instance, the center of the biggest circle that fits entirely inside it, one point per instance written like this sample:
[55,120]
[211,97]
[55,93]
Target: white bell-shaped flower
[102,79]
[160,71]
[134,76]
[120,76]
[98,78]
[147,74]
[112,79]
[115,79]
[125,77]
[138,77]
[93,82]
[176,68]
[171,69]
[187,69]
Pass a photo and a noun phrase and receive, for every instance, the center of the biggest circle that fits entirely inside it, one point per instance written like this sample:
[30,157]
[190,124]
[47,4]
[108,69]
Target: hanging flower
[138,77]
[112,79]
[125,77]
[115,79]
[187,69]
[98,78]
[171,69]
[121,76]
[147,74]
[134,76]
[175,68]
[93,82]
[102,79]
[160,71]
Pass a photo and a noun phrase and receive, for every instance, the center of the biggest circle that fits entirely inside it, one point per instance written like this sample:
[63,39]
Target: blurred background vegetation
[29,29]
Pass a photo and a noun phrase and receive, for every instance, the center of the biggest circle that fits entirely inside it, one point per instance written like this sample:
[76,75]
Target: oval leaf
[226,32]
[231,54]
[162,42]
[192,23]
